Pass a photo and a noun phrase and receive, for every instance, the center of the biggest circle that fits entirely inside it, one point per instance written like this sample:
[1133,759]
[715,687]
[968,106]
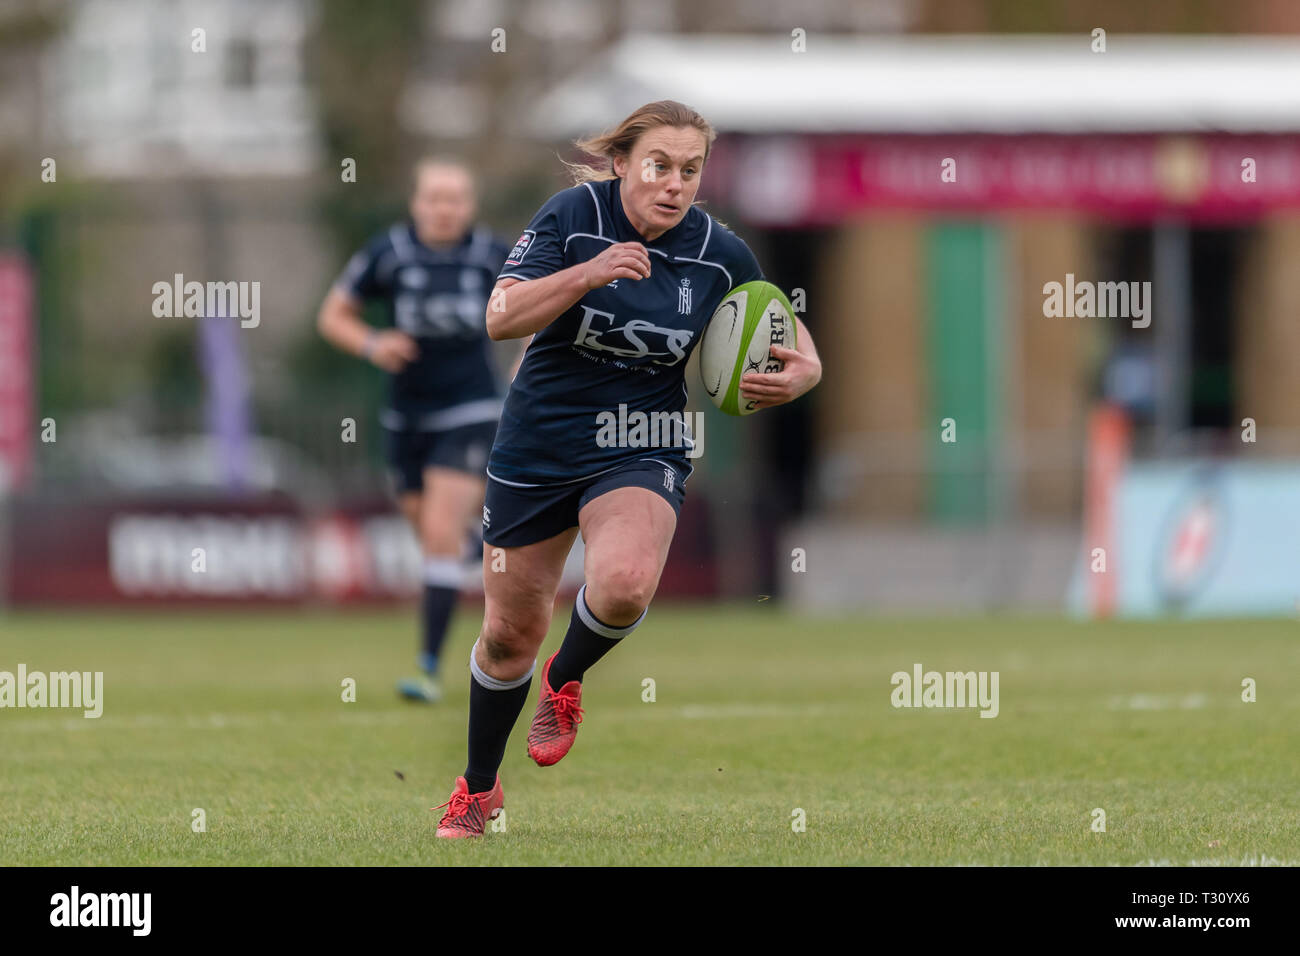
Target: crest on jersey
[522,245]
[684,297]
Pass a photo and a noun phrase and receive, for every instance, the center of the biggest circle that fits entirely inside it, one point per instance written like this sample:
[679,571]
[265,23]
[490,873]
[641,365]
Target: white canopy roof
[995,84]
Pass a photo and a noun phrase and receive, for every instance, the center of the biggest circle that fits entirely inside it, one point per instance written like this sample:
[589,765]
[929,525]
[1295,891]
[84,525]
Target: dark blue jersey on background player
[614,280]
[434,273]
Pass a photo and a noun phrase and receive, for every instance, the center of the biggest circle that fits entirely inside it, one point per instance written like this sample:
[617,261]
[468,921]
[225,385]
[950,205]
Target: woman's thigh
[626,533]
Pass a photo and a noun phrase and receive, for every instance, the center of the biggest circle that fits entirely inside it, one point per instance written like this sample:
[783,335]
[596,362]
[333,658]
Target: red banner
[823,180]
[16,373]
[216,551]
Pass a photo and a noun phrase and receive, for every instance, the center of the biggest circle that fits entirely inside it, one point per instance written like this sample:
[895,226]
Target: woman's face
[660,177]
[442,204]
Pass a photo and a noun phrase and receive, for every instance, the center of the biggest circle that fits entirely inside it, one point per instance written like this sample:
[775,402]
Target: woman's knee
[510,635]
[617,594]
[441,533]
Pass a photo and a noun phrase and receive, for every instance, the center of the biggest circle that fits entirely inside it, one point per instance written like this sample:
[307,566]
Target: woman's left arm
[803,370]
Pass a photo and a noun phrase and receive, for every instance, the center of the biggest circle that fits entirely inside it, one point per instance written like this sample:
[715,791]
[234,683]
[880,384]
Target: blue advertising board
[1201,539]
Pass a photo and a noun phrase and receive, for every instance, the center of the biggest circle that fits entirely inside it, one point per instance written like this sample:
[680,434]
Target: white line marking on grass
[1158,702]
[716,711]
[1262,860]
[211,721]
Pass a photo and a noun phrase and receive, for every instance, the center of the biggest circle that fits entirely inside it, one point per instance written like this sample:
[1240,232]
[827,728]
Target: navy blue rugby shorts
[515,514]
[409,451]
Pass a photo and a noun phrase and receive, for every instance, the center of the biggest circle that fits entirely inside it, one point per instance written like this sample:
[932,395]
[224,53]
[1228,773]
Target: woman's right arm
[340,322]
[520,307]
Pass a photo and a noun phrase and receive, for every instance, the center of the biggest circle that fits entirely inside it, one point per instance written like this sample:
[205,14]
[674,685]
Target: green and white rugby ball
[739,338]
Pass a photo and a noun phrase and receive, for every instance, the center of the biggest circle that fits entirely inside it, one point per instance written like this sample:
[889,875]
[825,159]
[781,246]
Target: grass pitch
[757,714]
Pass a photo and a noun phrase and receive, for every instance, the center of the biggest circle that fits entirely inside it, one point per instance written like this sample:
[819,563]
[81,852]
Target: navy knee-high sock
[441,588]
[587,641]
[494,707]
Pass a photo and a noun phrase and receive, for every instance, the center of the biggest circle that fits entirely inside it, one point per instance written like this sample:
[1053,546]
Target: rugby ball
[738,339]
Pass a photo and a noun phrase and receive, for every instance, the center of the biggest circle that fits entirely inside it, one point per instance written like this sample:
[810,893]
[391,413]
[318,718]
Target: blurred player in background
[614,280]
[434,272]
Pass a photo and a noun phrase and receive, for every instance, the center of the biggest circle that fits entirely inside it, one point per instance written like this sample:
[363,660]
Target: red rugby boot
[468,813]
[555,725]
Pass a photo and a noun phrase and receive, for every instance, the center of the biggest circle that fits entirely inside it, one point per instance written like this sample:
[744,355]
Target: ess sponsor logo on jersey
[413,277]
[635,339]
[520,250]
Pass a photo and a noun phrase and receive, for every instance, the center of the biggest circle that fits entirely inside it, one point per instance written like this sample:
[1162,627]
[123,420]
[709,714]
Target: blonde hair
[619,141]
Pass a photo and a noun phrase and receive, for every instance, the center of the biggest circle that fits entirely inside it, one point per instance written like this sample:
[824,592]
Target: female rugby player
[615,280]
[434,272]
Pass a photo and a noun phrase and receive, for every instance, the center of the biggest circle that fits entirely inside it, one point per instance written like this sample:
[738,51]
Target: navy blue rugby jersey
[438,297]
[625,343]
